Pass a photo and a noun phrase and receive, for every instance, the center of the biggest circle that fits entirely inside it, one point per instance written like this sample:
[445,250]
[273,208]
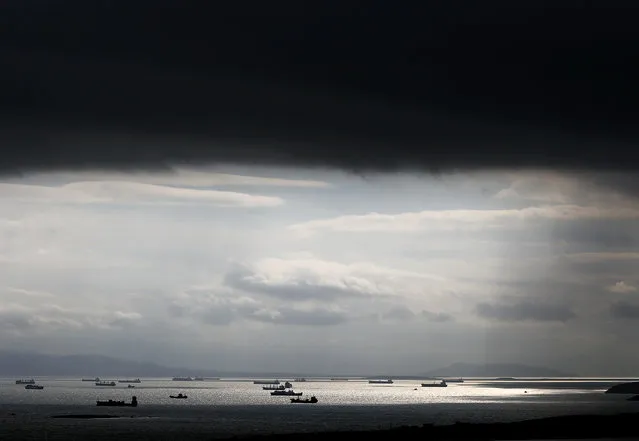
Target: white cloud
[455,219]
[316,279]
[179,177]
[622,287]
[121,192]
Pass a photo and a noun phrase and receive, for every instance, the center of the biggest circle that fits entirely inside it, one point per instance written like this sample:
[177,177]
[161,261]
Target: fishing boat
[388,381]
[178,397]
[105,383]
[274,387]
[34,387]
[137,380]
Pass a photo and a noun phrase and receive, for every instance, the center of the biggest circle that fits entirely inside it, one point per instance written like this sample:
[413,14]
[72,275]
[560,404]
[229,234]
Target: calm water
[220,408]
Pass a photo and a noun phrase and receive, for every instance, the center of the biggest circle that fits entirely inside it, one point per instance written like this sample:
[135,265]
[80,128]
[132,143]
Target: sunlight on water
[233,405]
[157,391]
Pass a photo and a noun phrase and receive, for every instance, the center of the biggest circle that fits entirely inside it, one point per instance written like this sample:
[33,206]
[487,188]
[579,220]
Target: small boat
[178,397]
[286,393]
[306,400]
[114,403]
[288,385]
[31,381]
[105,383]
[95,380]
[273,387]
[388,381]
[137,380]
[300,380]
[34,387]
[266,382]
[440,384]
[130,386]
[182,379]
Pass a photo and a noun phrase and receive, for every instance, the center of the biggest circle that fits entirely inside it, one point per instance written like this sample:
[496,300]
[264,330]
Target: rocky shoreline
[563,427]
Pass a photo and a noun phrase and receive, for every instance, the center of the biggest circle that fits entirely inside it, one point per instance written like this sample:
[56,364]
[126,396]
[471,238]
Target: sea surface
[221,408]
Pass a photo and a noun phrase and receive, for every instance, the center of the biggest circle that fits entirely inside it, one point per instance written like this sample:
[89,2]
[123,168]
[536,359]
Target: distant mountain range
[24,364]
[27,364]
[32,364]
[496,370]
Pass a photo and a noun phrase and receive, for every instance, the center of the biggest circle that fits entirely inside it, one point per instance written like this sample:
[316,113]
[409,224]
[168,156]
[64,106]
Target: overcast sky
[276,269]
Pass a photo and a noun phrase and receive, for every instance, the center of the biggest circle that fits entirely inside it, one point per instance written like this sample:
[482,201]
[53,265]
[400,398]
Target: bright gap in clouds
[321,271]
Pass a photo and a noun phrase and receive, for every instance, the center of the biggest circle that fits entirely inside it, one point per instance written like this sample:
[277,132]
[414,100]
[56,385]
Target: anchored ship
[266,382]
[23,381]
[114,403]
[440,384]
[286,393]
[306,400]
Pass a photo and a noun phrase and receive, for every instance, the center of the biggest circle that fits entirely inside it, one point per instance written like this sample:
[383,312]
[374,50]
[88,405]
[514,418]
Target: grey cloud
[404,314]
[438,317]
[609,234]
[49,317]
[399,313]
[212,308]
[14,321]
[625,310]
[222,310]
[524,311]
[290,316]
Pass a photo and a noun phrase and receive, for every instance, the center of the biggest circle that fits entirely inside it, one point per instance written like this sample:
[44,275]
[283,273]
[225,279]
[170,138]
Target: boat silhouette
[287,393]
[31,381]
[306,400]
[114,403]
[178,396]
[440,384]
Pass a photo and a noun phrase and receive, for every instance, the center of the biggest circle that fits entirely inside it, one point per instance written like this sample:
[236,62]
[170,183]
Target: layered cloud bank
[222,269]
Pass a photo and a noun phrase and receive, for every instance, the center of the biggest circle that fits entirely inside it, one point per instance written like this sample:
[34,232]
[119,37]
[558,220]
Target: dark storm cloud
[625,310]
[524,311]
[146,84]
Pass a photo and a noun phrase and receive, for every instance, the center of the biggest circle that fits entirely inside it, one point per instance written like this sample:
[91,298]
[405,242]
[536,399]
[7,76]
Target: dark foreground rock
[624,388]
[84,416]
[564,427]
